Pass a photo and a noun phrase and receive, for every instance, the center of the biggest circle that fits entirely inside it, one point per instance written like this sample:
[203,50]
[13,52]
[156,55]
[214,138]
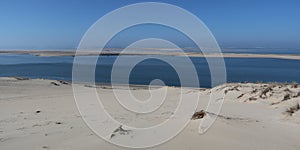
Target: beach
[162,75]
[42,114]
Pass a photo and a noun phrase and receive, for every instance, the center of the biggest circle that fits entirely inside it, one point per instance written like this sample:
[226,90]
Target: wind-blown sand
[42,114]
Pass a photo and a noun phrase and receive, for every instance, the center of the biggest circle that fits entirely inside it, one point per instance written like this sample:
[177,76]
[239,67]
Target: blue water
[238,69]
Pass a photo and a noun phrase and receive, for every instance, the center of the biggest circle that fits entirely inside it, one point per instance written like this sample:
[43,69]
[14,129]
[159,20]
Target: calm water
[238,69]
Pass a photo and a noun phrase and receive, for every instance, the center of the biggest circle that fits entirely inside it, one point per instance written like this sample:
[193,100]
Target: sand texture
[42,114]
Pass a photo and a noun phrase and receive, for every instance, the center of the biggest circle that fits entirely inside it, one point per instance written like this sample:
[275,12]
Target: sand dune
[42,114]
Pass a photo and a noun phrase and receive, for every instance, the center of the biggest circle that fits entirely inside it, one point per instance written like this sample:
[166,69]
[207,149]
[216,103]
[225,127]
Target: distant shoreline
[49,53]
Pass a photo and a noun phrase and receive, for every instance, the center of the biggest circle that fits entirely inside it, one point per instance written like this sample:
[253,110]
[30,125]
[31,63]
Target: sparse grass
[294,84]
[265,91]
[286,97]
[293,109]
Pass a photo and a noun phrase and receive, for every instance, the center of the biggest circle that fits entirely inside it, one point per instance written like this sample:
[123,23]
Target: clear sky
[60,24]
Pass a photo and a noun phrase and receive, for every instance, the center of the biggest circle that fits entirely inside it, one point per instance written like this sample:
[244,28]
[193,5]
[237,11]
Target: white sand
[263,123]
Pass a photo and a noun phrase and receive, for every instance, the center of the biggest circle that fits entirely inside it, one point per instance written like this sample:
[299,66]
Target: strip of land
[50,53]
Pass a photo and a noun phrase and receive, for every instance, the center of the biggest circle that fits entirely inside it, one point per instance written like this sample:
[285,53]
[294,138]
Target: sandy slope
[37,114]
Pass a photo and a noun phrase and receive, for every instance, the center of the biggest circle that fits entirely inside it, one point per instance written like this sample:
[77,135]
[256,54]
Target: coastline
[50,53]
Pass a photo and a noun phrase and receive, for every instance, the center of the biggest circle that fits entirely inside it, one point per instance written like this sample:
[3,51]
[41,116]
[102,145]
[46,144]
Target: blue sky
[60,24]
